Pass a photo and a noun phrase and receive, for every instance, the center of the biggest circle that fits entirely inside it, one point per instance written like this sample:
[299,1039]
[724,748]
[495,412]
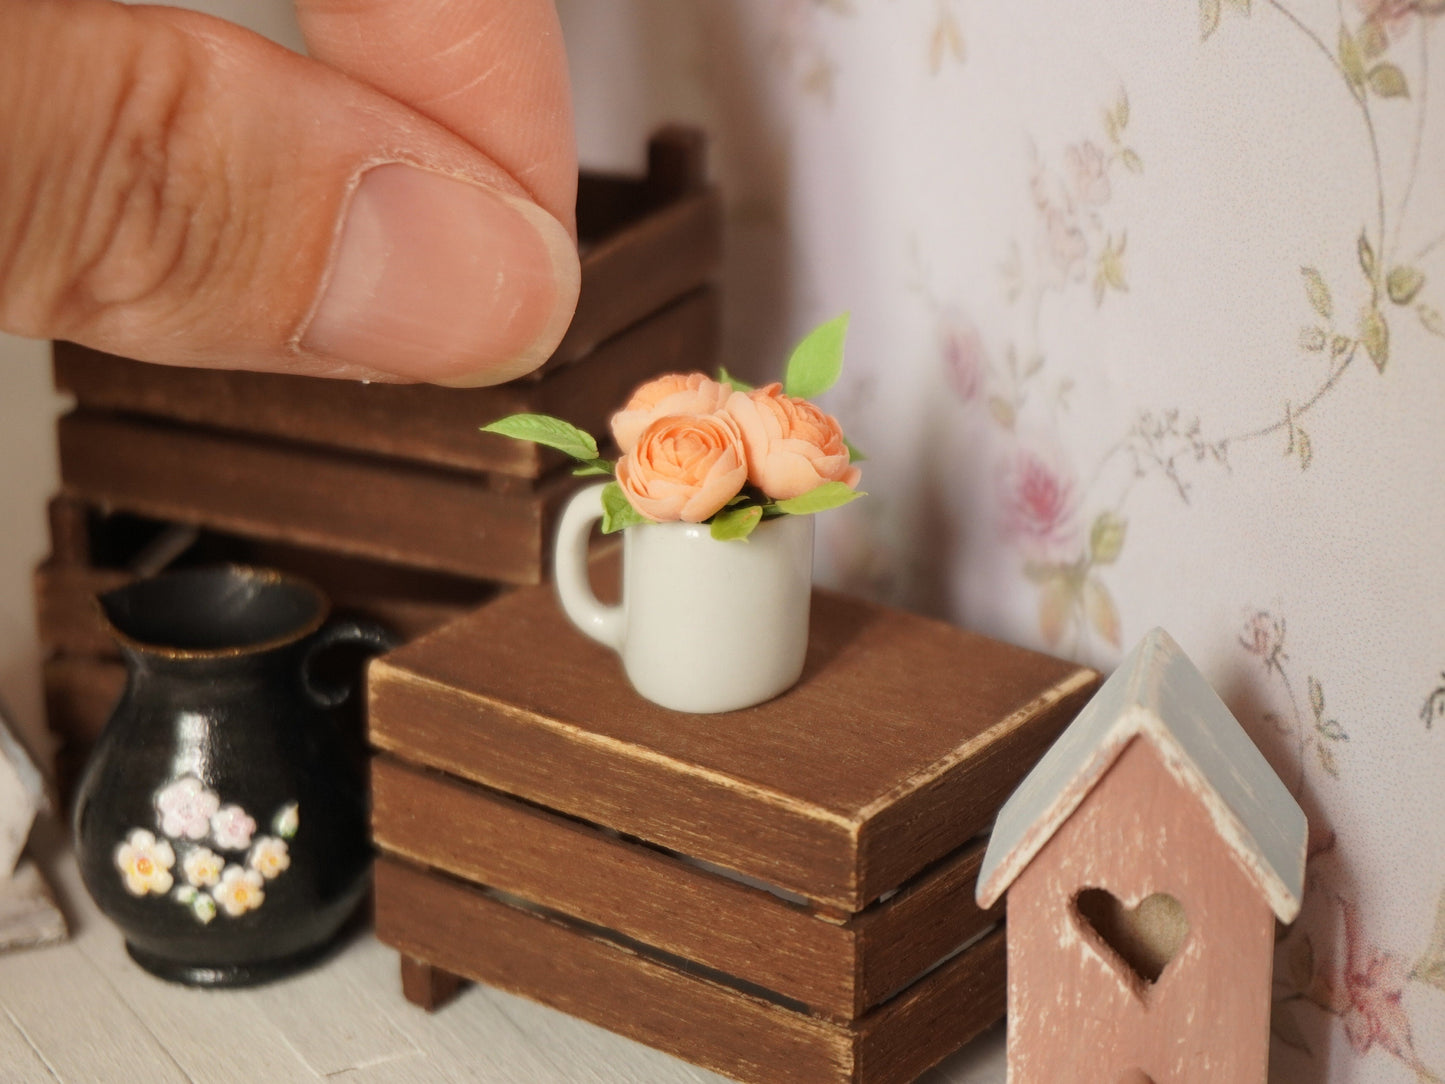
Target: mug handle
[332,694]
[569,569]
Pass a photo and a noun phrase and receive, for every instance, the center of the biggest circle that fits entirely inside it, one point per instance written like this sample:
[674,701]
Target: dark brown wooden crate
[458,929]
[362,506]
[416,422]
[837,969]
[895,749]
[408,602]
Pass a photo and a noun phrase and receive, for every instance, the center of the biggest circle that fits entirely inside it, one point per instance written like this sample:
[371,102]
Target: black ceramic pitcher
[221,819]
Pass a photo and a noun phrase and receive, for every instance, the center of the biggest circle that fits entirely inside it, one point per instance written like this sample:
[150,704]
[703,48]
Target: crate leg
[425,985]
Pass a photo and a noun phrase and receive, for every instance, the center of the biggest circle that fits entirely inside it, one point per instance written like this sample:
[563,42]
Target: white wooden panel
[18,1059]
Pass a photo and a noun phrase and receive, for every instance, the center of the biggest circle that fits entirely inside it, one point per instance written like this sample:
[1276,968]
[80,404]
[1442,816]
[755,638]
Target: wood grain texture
[672,905]
[426,986]
[361,506]
[433,918]
[1077,1012]
[80,693]
[889,754]
[415,422]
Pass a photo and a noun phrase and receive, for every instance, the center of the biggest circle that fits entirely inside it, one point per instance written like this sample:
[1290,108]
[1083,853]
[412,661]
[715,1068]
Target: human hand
[397,206]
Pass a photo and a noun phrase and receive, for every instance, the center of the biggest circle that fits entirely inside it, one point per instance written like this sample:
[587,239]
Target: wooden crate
[784,892]
[649,246]
[93,552]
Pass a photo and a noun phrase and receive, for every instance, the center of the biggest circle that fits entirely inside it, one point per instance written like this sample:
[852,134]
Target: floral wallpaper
[1147,329]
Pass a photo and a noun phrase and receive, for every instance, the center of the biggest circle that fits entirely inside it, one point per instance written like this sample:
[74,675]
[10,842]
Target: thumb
[176,189]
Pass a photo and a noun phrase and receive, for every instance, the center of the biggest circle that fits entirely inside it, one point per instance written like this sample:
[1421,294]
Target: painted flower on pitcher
[684,468]
[240,890]
[670,395]
[287,821]
[269,857]
[145,862]
[186,808]
[792,446]
[232,828]
[202,867]
[1039,506]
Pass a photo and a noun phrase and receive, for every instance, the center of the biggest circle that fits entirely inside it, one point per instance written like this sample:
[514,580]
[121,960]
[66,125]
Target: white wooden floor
[82,1013]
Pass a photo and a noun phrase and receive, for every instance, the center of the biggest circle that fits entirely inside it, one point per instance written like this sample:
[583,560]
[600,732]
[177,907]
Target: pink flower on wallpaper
[1263,636]
[1393,16]
[1088,173]
[1061,246]
[1038,505]
[965,362]
[1368,997]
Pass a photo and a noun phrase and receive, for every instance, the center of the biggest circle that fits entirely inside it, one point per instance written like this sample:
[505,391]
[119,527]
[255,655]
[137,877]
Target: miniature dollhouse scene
[808,541]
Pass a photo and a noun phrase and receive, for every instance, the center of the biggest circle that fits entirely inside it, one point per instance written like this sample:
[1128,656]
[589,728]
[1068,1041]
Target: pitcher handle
[332,694]
[569,568]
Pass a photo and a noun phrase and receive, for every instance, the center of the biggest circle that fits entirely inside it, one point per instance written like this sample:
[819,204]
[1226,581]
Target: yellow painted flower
[269,857]
[203,867]
[239,891]
[145,863]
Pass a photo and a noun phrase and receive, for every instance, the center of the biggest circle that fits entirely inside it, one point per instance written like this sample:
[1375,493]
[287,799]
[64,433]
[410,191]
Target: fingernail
[438,279]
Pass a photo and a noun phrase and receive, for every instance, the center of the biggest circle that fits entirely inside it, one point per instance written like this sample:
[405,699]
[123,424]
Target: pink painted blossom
[965,362]
[186,807]
[1368,998]
[1395,17]
[1088,173]
[1038,505]
[232,828]
[1062,247]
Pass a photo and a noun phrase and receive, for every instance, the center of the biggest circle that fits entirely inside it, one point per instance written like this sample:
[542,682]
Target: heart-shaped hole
[1145,938]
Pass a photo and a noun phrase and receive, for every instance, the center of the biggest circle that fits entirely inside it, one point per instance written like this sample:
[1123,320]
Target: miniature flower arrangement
[698,450]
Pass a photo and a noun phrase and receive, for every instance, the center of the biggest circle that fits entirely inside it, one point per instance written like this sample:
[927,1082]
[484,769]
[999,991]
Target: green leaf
[1002,410]
[1375,334]
[817,361]
[1132,161]
[1303,448]
[594,467]
[1351,63]
[1430,319]
[826,496]
[855,454]
[1312,339]
[1327,759]
[1331,729]
[1430,968]
[1388,81]
[1317,696]
[1339,344]
[736,523]
[1101,611]
[1208,18]
[1367,256]
[545,429]
[1106,538]
[1403,283]
[1372,40]
[725,377]
[1318,292]
[617,511]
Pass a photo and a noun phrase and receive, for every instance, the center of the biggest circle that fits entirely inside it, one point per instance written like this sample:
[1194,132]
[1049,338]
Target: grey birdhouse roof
[1159,694]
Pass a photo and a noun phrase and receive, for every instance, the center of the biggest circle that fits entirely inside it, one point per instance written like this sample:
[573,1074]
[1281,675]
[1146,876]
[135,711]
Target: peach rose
[674,394]
[792,446]
[684,467]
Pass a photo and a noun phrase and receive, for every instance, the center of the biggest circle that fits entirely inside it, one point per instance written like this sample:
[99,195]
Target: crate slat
[416,422]
[439,921]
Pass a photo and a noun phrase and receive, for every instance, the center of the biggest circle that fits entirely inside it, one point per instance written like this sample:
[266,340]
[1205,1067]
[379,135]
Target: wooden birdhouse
[1146,858]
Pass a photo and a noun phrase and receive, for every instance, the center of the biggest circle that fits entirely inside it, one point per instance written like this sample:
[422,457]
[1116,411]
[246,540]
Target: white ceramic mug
[704,625]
